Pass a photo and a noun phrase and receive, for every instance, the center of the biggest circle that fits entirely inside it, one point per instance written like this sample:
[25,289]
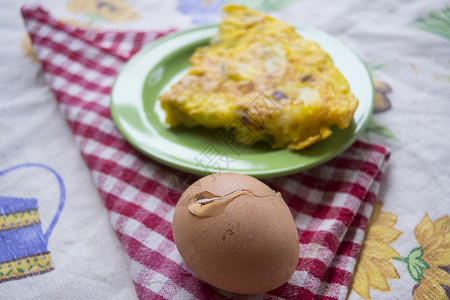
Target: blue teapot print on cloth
[23,243]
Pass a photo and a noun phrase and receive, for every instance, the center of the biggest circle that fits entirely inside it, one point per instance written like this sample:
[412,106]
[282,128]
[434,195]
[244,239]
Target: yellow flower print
[382,102]
[374,268]
[28,48]
[425,263]
[111,10]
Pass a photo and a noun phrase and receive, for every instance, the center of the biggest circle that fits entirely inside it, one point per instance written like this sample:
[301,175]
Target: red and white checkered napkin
[331,203]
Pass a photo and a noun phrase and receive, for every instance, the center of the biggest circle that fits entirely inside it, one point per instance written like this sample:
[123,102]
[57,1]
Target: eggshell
[250,246]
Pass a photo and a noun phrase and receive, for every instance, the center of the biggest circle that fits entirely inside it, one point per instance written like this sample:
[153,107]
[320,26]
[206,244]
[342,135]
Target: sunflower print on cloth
[115,11]
[374,268]
[382,104]
[428,264]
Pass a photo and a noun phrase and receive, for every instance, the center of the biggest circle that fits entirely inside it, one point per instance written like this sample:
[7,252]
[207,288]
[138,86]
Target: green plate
[136,111]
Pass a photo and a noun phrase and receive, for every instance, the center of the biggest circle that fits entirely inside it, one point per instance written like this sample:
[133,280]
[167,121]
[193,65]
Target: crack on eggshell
[206,204]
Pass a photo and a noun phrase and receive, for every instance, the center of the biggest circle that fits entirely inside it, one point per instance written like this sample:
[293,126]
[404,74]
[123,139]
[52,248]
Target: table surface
[405,44]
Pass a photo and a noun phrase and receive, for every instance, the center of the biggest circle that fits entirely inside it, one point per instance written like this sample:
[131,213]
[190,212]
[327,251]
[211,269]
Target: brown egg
[236,233]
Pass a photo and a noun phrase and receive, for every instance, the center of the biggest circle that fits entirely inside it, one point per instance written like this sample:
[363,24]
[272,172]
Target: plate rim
[266,173]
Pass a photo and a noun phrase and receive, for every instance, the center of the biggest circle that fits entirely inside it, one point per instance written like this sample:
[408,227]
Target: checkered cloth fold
[331,203]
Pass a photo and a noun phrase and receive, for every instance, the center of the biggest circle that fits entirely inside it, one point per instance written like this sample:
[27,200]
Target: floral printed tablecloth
[406,46]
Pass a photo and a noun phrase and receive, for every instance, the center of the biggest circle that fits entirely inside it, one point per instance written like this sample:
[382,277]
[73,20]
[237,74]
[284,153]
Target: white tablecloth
[412,69]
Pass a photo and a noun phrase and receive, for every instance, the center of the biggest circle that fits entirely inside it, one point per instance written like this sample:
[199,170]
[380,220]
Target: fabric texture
[331,203]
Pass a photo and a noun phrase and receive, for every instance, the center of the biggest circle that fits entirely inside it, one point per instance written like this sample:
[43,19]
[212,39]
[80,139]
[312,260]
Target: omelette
[260,79]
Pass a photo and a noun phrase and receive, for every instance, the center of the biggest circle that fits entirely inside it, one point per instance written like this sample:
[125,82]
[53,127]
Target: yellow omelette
[261,79]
